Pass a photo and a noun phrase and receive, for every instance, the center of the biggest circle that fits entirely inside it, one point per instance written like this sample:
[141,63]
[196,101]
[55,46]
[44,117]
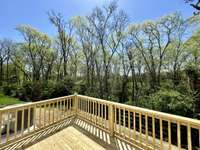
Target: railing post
[111,119]
[75,103]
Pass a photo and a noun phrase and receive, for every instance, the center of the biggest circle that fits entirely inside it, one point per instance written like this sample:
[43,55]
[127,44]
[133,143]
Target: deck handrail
[143,127]
[139,109]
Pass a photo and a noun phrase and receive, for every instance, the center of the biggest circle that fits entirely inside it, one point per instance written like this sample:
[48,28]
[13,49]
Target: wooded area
[154,64]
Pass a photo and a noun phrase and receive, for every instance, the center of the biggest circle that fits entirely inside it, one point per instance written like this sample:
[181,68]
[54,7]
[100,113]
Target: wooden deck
[67,139]
[81,122]
[80,136]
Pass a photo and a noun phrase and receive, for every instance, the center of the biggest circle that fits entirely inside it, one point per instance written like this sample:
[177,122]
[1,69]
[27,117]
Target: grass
[7,100]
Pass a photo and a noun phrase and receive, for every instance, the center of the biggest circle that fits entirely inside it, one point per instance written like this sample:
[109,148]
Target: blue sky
[34,12]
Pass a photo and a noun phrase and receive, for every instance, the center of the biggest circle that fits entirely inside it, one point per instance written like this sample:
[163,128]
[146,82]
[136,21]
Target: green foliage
[38,91]
[9,89]
[170,101]
[57,89]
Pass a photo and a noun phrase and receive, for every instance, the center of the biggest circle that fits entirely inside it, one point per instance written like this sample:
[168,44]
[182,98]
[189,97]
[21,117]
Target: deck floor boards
[67,139]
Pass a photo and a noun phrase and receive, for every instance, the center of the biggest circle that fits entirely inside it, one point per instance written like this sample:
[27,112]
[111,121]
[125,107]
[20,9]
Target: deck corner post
[111,119]
[76,103]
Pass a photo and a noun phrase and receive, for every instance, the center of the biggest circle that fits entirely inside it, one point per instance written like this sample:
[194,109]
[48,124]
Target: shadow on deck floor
[71,134]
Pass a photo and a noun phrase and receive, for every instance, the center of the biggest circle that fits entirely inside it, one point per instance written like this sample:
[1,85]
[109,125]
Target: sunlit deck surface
[79,136]
[68,139]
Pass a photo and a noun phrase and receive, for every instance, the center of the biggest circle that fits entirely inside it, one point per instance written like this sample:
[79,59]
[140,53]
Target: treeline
[154,64]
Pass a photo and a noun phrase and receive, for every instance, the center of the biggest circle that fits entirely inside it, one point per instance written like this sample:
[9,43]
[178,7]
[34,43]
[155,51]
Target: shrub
[57,89]
[170,101]
[9,89]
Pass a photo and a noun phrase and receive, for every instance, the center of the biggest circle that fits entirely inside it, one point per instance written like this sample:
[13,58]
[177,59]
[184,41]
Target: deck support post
[76,103]
[111,119]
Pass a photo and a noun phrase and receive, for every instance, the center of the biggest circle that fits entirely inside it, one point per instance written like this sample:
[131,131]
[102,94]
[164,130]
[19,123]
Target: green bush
[57,89]
[170,101]
[9,89]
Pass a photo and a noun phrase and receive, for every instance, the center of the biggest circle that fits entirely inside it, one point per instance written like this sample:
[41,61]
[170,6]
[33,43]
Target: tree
[195,4]
[65,30]
[89,49]
[36,50]
[108,25]
[5,49]
[152,40]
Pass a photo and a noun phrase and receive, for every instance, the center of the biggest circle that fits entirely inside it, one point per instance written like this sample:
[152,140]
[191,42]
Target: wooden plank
[161,134]
[8,127]
[146,130]
[16,122]
[140,124]
[29,119]
[153,130]
[189,137]
[169,134]
[179,135]
[22,124]
[0,126]
[67,139]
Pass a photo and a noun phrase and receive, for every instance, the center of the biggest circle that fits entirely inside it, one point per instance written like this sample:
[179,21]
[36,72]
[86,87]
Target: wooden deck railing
[16,122]
[144,128]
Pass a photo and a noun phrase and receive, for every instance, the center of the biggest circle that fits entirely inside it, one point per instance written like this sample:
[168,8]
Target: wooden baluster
[0,126]
[16,119]
[49,117]
[96,113]
[40,116]
[53,112]
[67,108]
[129,129]
[83,107]
[134,124]
[29,115]
[8,126]
[99,113]
[93,112]
[161,134]
[115,127]
[169,134]
[199,138]
[105,118]
[179,135]
[88,110]
[61,110]
[140,120]
[146,130]
[34,117]
[57,111]
[153,130]
[124,125]
[80,107]
[22,123]
[64,108]
[119,120]
[102,114]
[189,139]
[111,119]
[44,115]
[71,104]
